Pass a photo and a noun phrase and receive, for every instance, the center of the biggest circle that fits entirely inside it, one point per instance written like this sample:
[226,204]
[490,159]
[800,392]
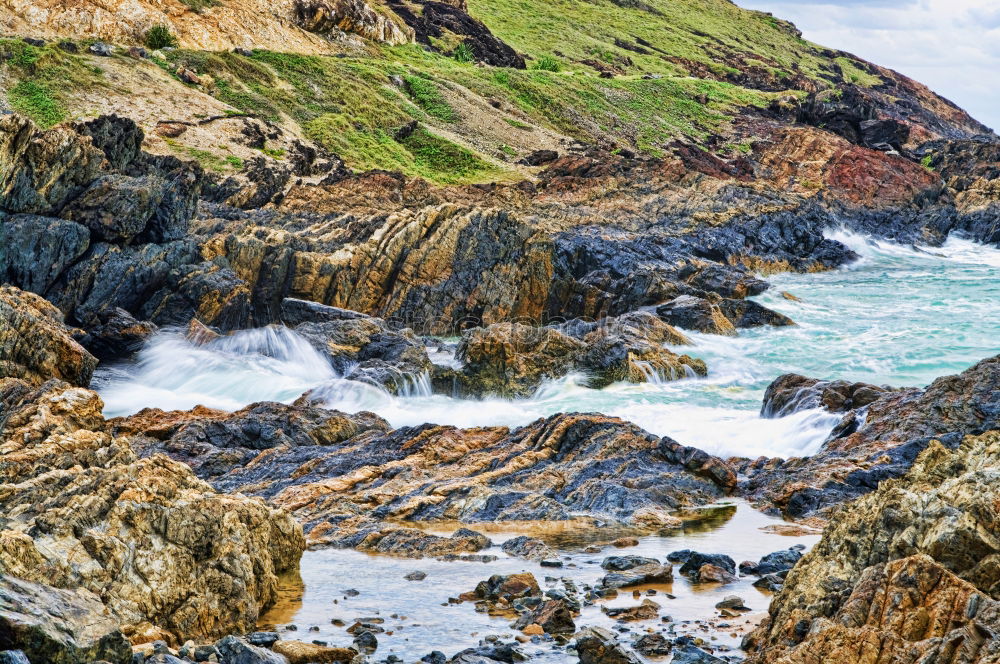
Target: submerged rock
[698,314]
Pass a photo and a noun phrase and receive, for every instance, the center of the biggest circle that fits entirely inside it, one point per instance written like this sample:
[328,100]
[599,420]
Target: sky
[952,46]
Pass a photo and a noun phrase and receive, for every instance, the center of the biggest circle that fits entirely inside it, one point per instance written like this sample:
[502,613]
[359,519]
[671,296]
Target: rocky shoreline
[164,536]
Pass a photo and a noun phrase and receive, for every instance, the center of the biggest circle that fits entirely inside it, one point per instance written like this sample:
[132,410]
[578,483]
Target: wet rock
[653,645]
[56,626]
[628,571]
[13,657]
[778,561]
[553,616]
[412,543]
[685,652]
[879,442]
[693,561]
[606,468]
[734,602]
[36,345]
[298,652]
[236,651]
[769,582]
[203,564]
[621,563]
[791,393]
[596,645]
[116,333]
[529,548]
[508,587]
[732,284]
[747,313]
[416,576]
[709,573]
[698,314]
[648,610]
[366,642]
[262,639]
[893,556]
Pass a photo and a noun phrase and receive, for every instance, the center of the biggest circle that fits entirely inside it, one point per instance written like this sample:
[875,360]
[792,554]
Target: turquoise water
[898,316]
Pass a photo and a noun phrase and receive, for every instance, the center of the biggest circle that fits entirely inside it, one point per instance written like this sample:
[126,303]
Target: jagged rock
[877,442]
[627,571]
[912,566]
[116,333]
[528,548]
[35,344]
[13,657]
[685,652]
[693,561]
[57,626]
[553,616]
[596,645]
[507,588]
[791,393]
[355,16]
[157,545]
[709,573]
[769,582]
[648,610]
[778,561]
[236,651]
[653,645]
[212,442]
[747,313]
[540,158]
[412,543]
[698,314]
[37,250]
[485,474]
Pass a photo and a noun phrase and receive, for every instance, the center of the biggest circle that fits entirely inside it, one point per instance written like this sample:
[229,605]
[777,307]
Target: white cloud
[952,46]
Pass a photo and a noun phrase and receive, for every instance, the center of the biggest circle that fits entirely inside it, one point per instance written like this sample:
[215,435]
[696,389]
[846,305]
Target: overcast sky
[952,46]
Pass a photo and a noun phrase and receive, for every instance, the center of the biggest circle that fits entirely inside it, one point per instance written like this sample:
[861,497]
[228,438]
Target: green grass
[443,161]
[159,36]
[853,73]
[426,95]
[44,79]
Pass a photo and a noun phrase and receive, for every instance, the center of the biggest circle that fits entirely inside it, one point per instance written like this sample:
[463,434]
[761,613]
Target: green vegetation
[209,160]
[441,160]
[926,162]
[427,96]
[855,74]
[159,36]
[43,79]
[547,63]
[463,53]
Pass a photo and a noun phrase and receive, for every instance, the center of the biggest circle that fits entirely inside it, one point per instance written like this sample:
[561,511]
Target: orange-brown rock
[36,345]
[299,652]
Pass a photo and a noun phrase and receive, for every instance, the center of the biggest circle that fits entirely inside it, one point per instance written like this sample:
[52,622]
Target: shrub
[463,53]
[159,36]
[547,63]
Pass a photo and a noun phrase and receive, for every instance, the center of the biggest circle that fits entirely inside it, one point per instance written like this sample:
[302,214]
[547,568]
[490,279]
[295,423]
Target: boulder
[299,652]
[648,610]
[698,314]
[37,250]
[233,650]
[36,345]
[792,393]
[115,333]
[554,616]
[747,313]
[596,645]
[57,626]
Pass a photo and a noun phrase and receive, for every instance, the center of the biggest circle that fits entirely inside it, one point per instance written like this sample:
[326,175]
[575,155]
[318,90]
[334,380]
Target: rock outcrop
[876,440]
[346,491]
[909,573]
[36,345]
[163,551]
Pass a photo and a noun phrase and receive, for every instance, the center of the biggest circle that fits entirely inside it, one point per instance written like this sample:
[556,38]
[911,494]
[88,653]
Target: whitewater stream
[898,316]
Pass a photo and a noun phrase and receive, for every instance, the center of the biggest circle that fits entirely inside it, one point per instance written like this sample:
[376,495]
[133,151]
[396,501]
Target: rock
[353,16]
[298,652]
[13,657]
[540,158]
[170,129]
[919,548]
[686,652]
[648,610]
[693,313]
[37,250]
[638,574]
[653,645]
[35,344]
[621,563]
[508,587]
[188,76]
[529,548]
[709,573]
[693,561]
[877,442]
[236,651]
[432,21]
[769,582]
[605,467]
[734,602]
[778,561]
[792,393]
[416,576]
[201,563]
[596,645]
[116,333]
[56,626]
[412,543]
[624,542]
[551,616]
[262,639]
[747,313]
[366,642]
[102,49]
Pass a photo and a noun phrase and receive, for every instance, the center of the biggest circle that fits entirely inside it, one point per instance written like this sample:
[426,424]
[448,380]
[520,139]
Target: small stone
[534,629]
[102,49]
[623,542]
[416,576]
[734,602]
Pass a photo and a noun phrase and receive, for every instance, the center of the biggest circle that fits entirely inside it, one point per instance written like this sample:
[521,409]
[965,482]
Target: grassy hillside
[672,69]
